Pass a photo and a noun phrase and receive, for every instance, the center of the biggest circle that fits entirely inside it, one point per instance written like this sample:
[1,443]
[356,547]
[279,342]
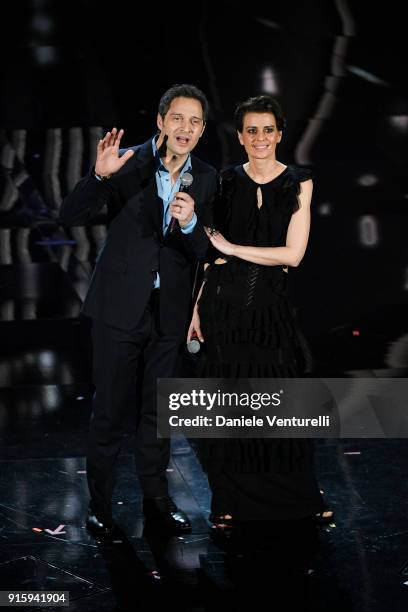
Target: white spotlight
[268,81]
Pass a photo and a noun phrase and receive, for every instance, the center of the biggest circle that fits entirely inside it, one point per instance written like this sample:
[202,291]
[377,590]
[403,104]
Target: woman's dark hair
[259,104]
[183,91]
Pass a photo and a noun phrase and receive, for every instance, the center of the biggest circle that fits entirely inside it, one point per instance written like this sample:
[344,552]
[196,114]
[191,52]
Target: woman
[262,221]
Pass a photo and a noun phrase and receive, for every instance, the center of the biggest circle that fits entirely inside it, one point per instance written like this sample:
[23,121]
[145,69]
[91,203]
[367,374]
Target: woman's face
[260,135]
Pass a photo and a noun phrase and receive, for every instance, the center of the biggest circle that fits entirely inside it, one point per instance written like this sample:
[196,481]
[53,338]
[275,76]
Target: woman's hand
[107,157]
[220,243]
[195,326]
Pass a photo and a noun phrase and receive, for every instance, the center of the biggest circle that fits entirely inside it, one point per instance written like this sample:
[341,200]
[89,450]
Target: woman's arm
[195,319]
[296,238]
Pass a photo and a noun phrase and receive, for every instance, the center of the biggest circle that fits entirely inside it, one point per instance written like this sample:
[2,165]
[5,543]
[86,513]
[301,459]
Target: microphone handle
[174,222]
[172,225]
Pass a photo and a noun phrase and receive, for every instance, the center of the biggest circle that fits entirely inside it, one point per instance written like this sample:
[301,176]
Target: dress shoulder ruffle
[290,185]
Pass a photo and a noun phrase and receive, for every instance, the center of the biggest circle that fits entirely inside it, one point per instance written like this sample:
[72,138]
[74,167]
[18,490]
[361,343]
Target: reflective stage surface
[356,563]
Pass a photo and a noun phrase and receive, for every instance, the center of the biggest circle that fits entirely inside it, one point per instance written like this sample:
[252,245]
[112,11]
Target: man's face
[183,125]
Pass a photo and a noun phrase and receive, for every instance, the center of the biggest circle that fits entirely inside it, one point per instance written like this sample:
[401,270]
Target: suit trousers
[126,365]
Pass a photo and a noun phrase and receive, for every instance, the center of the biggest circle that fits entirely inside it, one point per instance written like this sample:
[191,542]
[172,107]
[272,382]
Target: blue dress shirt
[166,191]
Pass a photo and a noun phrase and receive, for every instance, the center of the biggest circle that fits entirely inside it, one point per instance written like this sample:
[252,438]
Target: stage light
[325,209]
[268,81]
[399,122]
[367,76]
[367,180]
[45,56]
[50,398]
[42,24]
[46,360]
[368,230]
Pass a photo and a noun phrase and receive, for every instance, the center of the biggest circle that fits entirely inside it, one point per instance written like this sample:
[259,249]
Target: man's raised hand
[107,158]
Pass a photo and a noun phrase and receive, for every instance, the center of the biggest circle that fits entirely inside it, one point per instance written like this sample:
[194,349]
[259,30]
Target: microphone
[194,346]
[185,184]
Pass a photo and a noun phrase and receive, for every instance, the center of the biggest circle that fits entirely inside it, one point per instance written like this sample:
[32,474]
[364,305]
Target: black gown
[250,331]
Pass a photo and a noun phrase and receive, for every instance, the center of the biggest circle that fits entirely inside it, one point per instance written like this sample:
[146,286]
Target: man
[140,292]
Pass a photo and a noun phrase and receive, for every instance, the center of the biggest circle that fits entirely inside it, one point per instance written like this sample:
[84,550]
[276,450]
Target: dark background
[71,70]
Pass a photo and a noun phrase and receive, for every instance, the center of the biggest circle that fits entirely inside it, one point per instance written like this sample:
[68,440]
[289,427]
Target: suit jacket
[135,248]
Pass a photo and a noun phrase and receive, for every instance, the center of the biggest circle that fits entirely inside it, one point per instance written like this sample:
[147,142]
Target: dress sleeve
[292,186]
[304,174]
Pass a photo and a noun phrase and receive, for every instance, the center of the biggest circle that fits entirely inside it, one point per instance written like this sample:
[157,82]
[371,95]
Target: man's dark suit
[136,332]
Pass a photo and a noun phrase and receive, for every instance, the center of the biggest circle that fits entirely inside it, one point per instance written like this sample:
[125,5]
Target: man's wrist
[102,177]
[187,221]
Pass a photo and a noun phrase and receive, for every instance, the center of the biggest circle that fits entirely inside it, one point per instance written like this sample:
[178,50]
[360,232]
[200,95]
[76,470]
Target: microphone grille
[187,179]
[193,346]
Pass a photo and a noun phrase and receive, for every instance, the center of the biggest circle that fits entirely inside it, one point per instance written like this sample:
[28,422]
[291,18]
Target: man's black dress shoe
[99,526]
[163,510]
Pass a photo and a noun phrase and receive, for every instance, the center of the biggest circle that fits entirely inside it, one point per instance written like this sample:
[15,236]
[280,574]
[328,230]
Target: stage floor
[358,563]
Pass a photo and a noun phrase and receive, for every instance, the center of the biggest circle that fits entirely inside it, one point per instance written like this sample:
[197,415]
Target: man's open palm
[107,159]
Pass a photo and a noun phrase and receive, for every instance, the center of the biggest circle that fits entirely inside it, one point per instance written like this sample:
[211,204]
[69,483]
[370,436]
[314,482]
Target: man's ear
[202,131]
[159,121]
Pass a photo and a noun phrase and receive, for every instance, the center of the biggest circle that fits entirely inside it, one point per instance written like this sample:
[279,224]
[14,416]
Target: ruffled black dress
[250,331]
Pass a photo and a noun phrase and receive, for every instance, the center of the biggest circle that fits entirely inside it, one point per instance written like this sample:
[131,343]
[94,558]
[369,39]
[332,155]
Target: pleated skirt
[250,331]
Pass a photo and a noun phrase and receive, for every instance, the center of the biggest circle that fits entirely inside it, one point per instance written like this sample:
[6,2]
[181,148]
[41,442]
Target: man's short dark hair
[183,91]
[259,104]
